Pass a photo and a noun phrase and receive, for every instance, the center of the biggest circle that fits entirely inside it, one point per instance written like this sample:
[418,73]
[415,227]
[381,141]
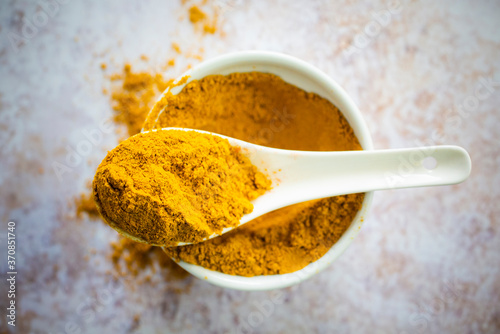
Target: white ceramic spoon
[300,176]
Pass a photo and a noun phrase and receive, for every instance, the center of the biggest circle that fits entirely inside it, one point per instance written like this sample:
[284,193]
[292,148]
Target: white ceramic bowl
[310,79]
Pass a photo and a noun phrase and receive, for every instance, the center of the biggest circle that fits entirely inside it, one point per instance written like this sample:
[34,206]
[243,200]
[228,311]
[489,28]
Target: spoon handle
[400,168]
[313,175]
[360,171]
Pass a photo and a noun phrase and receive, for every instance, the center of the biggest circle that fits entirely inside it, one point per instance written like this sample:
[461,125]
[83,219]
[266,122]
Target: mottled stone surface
[426,260]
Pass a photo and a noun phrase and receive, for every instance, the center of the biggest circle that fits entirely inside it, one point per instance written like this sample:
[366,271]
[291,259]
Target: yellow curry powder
[134,258]
[258,108]
[197,16]
[136,96]
[86,203]
[166,187]
[263,109]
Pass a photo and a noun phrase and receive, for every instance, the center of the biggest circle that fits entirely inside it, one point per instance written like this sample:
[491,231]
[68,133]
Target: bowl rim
[350,111]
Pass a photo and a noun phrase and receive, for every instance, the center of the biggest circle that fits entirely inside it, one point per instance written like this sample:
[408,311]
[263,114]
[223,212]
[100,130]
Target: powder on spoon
[165,187]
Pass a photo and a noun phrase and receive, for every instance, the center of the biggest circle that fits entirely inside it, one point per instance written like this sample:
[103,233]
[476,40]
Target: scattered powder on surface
[136,95]
[85,204]
[130,257]
[176,48]
[200,18]
[196,14]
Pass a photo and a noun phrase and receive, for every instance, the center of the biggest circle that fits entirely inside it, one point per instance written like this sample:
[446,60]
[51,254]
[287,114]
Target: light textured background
[426,260]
